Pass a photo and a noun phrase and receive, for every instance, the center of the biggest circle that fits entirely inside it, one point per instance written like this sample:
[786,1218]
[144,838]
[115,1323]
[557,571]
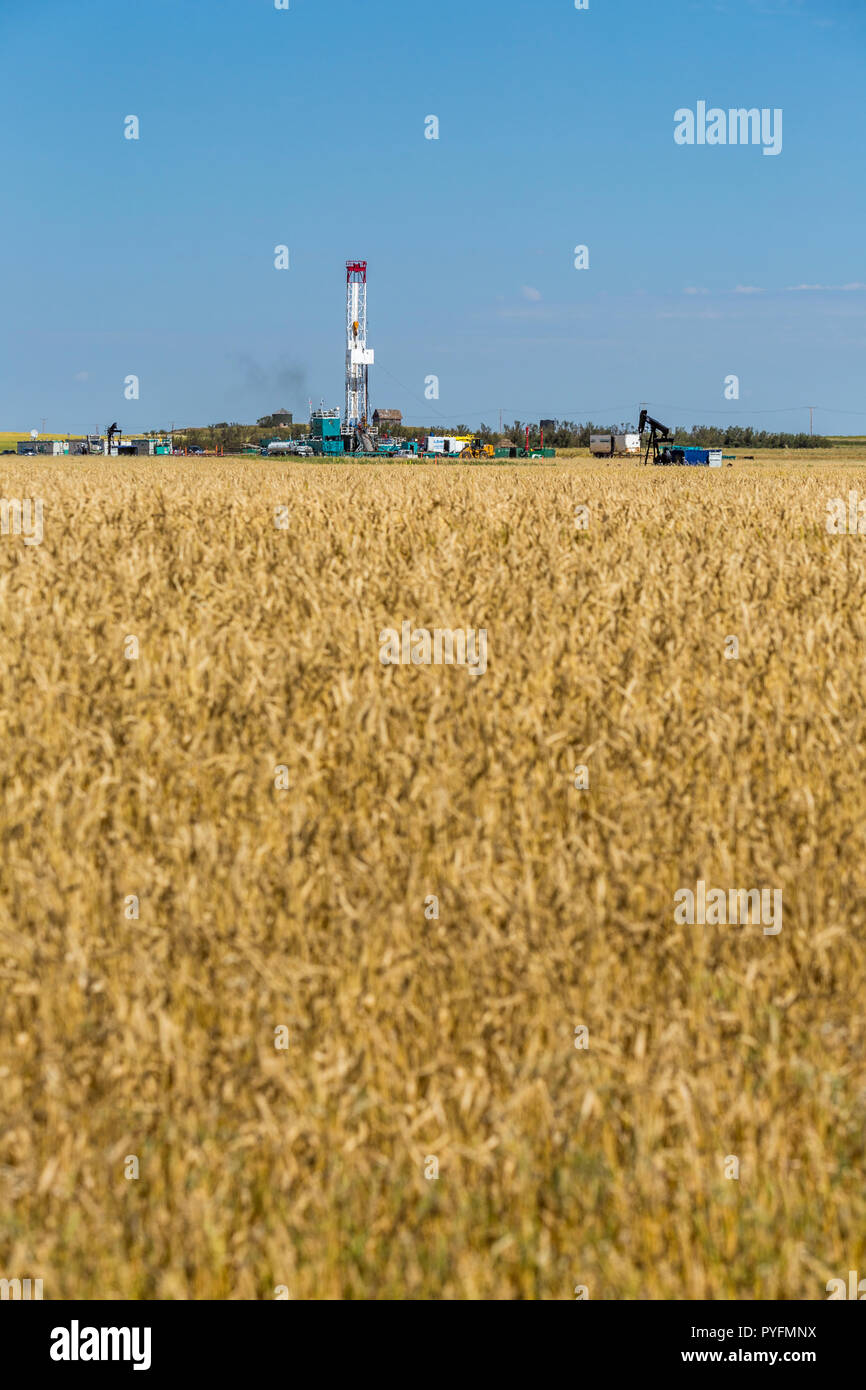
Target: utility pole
[500,421]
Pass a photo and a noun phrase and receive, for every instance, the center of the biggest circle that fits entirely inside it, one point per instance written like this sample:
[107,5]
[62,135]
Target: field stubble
[409,1037]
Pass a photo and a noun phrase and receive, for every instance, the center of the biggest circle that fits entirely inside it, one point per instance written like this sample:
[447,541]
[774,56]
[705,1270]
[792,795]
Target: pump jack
[660,439]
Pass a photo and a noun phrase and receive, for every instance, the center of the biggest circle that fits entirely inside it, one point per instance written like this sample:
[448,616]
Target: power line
[722,410]
[576,412]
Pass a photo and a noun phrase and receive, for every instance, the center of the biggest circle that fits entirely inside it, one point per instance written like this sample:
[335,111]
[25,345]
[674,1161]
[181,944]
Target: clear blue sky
[306,128]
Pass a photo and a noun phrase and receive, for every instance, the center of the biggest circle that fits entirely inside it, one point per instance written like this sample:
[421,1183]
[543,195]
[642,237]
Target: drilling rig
[359,358]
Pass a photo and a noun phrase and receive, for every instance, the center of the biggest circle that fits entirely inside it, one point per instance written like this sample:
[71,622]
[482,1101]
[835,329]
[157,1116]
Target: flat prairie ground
[237,1044]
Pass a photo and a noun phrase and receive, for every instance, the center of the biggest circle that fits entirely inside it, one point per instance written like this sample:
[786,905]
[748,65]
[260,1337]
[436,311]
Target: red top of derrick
[356,268]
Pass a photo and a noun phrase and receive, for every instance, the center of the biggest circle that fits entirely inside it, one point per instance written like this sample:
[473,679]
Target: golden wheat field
[593,1159]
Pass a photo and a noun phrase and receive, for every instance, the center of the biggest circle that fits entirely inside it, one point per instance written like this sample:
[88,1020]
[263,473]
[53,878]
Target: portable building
[601,445]
[326,432]
[443,444]
[52,447]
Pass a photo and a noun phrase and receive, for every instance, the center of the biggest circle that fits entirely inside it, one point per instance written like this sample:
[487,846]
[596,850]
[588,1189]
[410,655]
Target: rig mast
[358,356]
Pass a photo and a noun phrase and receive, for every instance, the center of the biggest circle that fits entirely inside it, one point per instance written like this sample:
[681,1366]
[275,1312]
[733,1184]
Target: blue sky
[306,127]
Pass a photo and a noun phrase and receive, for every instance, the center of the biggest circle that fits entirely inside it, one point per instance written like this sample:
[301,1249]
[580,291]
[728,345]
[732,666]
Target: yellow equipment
[475,449]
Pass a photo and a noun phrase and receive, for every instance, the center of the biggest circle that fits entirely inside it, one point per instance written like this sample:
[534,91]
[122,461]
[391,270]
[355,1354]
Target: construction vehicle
[475,448]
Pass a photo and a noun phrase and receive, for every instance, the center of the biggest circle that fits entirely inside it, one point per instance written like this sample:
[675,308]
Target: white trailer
[601,445]
[607,445]
[443,444]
